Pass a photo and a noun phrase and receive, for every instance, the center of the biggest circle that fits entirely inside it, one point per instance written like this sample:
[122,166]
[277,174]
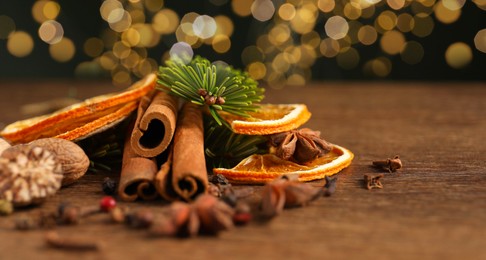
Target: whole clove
[373,181]
[391,165]
[117,215]
[242,214]
[54,240]
[214,215]
[330,186]
[285,193]
[109,186]
[140,219]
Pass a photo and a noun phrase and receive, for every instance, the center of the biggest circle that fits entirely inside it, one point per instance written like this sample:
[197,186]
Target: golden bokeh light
[130,37]
[352,11]
[51,32]
[446,15]
[387,20]
[20,44]
[348,58]
[458,55]
[121,50]
[381,67]
[480,41]
[480,3]
[241,7]
[329,48]
[204,26]
[165,21]
[423,25]
[453,5]
[296,80]
[304,20]
[286,11]
[396,4]
[123,23]
[367,35]
[257,70]
[153,5]
[392,42]
[262,10]
[326,6]
[7,25]
[224,25]
[405,22]
[62,51]
[311,39]
[412,53]
[221,43]
[93,47]
[336,27]
[108,60]
[109,6]
[45,10]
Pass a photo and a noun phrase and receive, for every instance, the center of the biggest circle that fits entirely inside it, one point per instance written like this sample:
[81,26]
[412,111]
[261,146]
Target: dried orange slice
[270,119]
[259,169]
[89,116]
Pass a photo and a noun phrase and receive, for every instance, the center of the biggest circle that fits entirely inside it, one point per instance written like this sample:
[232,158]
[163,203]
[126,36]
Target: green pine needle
[221,88]
[225,149]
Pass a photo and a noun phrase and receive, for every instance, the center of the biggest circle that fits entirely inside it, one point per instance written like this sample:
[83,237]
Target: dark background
[81,20]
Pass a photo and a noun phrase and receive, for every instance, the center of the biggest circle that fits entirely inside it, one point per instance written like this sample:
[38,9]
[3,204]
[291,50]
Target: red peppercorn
[107,203]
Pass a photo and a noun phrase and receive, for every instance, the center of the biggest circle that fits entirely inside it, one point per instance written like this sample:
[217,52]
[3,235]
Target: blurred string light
[293,35]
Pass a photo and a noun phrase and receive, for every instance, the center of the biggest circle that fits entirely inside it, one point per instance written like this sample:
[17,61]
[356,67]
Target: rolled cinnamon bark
[155,124]
[137,175]
[188,177]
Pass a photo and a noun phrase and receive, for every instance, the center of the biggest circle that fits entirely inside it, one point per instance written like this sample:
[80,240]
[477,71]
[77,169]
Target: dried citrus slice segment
[81,114]
[270,119]
[258,169]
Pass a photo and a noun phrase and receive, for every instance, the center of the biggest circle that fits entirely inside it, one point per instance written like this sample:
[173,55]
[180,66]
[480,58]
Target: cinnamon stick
[155,124]
[188,177]
[137,174]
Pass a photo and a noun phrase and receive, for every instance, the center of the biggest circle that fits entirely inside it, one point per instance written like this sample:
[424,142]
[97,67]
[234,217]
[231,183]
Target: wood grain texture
[434,208]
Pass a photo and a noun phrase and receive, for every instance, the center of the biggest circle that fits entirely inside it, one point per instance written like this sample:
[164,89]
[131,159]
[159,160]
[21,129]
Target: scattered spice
[54,240]
[6,207]
[330,186]
[391,165]
[71,214]
[25,223]
[373,181]
[109,186]
[302,145]
[107,203]
[140,219]
[242,214]
[284,193]
[29,175]
[117,215]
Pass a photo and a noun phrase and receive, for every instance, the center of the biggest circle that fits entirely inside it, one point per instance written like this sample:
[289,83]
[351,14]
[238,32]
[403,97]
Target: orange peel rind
[82,119]
[270,119]
[259,169]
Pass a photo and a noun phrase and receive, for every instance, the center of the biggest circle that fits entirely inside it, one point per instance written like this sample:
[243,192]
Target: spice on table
[242,214]
[117,215]
[302,145]
[373,181]
[109,186]
[284,193]
[107,203]
[391,165]
[26,223]
[330,186]
[6,207]
[73,214]
[215,215]
[142,218]
[54,240]
[29,175]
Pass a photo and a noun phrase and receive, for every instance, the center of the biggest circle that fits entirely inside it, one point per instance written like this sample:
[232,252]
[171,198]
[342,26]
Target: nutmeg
[72,158]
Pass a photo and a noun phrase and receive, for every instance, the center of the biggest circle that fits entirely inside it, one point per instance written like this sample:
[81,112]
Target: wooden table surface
[434,208]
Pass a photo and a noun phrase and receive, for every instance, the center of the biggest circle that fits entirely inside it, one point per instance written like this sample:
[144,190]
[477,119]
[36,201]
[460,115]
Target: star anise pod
[301,145]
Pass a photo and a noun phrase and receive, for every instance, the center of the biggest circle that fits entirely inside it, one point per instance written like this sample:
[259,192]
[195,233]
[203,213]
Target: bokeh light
[336,27]
[51,32]
[458,55]
[20,44]
[480,40]
[262,10]
[63,50]
[7,25]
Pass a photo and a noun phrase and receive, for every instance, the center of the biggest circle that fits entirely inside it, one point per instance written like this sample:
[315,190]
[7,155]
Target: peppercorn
[109,186]
[107,203]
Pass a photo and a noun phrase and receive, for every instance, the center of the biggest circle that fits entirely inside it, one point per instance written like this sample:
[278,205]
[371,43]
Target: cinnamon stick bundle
[137,175]
[155,124]
[188,177]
